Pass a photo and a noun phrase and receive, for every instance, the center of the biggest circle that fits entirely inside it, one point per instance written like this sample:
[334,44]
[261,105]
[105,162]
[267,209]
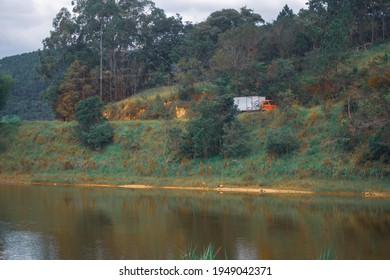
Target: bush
[98,135]
[235,140]
[89,112]
[281,142]
[379,145]
[185,92]
[93,129]
[156,110]
[204,133]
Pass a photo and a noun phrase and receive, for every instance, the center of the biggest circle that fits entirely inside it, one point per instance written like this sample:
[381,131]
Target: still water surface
[86,223]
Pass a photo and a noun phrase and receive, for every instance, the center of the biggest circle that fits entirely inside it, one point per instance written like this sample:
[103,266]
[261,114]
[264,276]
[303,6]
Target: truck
[254,103]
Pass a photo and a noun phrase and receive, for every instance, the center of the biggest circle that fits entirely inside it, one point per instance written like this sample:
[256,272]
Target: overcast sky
[25,23]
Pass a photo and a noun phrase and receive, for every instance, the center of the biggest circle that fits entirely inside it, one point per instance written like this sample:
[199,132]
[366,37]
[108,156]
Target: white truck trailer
[248,103]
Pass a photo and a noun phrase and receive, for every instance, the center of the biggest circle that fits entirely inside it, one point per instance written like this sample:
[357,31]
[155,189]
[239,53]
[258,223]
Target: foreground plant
[208,253]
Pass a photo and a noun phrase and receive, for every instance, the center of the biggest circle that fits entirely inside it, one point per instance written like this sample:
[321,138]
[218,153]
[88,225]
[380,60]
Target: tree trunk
[349,106]
[101,61]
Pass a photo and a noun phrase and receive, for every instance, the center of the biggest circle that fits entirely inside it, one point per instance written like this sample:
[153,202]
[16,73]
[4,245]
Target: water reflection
[26,245]
[244,250]
[85,223]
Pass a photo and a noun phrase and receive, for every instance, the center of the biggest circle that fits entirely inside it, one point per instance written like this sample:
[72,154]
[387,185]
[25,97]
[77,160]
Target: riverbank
[50,153]
[371,189]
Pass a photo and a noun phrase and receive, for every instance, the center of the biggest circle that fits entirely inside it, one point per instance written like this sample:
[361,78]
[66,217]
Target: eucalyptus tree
[93,19]
[123,42]
[237,58]
[57,48]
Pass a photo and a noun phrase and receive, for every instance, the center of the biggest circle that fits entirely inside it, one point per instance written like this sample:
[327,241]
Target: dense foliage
[93,130]
[113,49]
[5,84]
[281,142]
[24,95]
[214,130]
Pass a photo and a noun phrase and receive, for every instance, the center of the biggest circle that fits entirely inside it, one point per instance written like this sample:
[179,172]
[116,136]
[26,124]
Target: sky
[25,23]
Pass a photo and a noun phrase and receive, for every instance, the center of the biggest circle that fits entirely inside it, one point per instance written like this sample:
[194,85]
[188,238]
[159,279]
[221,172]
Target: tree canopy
[114,49]
[5,84]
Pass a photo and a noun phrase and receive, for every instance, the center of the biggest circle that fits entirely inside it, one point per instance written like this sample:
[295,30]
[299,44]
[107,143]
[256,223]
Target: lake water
[38,222]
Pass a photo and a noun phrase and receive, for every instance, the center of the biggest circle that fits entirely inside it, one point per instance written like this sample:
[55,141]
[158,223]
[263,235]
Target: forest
[115,49]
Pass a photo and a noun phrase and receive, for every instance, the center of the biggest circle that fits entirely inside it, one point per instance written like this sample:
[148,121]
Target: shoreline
[251,189]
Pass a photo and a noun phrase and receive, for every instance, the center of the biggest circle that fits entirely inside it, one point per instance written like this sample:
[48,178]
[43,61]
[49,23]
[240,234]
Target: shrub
[98,135]
[204,133]
[235,140]
[89,112]
[185,92]
[379,145]
[93,129]
[156,110]
[281,142]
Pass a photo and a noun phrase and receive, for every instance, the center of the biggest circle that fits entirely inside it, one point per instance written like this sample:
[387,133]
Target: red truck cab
[268,105]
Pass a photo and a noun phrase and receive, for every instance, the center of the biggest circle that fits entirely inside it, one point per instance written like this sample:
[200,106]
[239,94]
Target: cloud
[25,23]
[199,10]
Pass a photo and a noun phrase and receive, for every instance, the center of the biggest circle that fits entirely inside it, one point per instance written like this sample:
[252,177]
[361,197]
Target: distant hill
[24,99]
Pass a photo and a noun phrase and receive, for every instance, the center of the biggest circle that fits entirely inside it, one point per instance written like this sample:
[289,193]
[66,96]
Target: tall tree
[204,134]
[284,32]
[76,85]
[236,57]
[57,49]
[337,38]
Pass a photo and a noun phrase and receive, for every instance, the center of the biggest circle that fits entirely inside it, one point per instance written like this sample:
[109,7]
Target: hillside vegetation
[144,153]
[24,97]
[169,87]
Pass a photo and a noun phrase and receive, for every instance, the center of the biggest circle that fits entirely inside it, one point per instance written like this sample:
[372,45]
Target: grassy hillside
[331,140]
[143,154]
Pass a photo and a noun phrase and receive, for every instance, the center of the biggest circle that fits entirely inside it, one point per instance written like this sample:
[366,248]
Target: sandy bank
[255,190]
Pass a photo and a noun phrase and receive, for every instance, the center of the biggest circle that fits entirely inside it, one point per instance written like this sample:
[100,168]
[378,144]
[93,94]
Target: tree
[188,72]
[226,19]
[5,84]
[24,95]
[280,75]
[57,53]
[237,56]
[76,85]
[89,112]
[337,37]
[235,140]
[204,133]
[283,33]
[127,44]
[93,129]
[281,141]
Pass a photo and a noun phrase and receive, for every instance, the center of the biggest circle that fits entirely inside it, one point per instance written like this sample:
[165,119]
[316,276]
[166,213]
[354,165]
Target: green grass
[142,153]
[327,254]
[362,59]
[208,253]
